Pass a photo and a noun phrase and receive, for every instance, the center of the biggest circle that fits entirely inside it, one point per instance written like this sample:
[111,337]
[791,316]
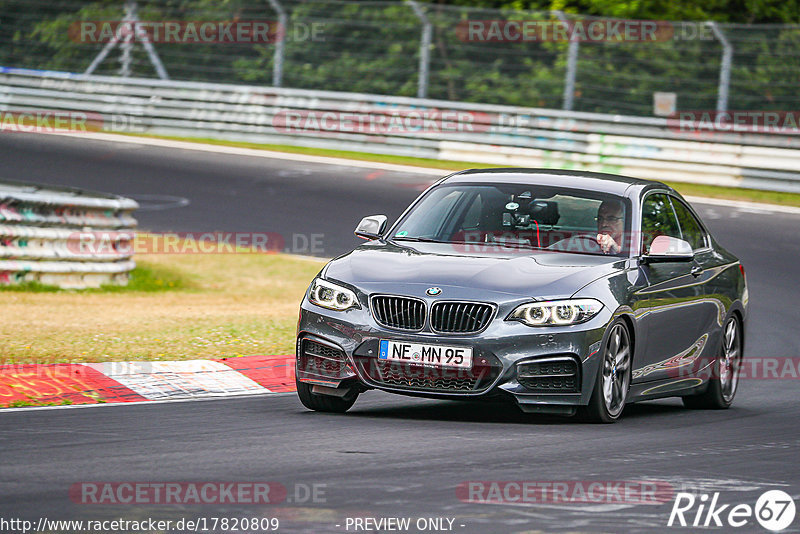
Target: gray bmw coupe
[561,291]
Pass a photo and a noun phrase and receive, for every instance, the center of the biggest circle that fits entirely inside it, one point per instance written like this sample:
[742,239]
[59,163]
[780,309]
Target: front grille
[403,313]
[403,375]
[316,360]
[460,317]
[558,375]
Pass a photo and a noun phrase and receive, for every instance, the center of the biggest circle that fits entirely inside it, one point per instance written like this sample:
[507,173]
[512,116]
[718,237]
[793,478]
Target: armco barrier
[45,230]
[503,135]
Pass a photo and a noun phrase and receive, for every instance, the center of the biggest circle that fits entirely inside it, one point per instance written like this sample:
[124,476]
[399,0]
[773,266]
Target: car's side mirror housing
[371,227]
[666,249]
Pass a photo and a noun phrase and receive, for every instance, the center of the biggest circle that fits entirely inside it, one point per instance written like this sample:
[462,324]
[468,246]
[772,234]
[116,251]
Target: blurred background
[749,51]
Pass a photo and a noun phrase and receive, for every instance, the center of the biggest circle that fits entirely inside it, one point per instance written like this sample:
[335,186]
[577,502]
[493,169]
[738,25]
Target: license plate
[428,355]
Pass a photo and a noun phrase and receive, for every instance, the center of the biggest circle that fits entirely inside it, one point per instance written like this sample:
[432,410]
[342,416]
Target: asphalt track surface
[390,456]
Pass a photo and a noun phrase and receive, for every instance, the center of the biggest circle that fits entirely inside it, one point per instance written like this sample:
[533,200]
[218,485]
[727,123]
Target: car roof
[587,180]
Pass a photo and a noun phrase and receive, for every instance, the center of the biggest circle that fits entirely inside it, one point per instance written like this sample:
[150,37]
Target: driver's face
[610,220]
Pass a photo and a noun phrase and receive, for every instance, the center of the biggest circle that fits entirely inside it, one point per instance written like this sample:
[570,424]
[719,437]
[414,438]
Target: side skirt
[669,387]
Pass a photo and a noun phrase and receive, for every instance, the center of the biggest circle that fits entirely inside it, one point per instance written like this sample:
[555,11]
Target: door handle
[696,271]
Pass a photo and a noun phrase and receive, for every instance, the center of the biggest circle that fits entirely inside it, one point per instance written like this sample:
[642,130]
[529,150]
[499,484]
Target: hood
[391,267]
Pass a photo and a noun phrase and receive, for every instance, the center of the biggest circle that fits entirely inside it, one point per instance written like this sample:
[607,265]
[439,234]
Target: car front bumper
[541,368]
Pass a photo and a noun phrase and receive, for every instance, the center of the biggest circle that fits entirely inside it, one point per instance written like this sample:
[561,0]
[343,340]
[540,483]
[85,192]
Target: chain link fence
[416,49]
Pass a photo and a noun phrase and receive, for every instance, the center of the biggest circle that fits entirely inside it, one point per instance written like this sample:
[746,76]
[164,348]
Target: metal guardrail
[646,147]
[64,237]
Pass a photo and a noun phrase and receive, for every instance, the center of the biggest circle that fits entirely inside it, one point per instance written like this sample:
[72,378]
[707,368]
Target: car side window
[428,223]
[690,227]
[472,217]
[658,218]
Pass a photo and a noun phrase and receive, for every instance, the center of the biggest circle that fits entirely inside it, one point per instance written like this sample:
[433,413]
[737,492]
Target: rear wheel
[725,375]
[324,403]
[613,377]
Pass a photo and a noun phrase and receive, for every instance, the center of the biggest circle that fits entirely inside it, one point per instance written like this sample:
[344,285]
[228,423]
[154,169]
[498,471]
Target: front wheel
[324,403]
[613,377]
[725,376]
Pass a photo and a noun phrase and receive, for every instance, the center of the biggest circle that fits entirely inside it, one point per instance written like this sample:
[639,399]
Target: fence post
[283,23]
[127,45]
[424,49]
[572,63]
[725,67]
[149,48]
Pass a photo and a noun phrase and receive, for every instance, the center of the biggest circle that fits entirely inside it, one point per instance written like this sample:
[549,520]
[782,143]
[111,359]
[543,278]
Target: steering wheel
[589,244]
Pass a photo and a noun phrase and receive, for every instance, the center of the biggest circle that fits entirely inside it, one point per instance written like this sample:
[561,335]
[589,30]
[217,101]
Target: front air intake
[402,313]
[460,317]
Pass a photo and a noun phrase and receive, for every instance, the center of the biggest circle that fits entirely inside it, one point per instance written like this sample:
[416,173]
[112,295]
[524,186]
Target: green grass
[736,193]
[149,278]
[700,190]
[30,287]
[144,278]
[178,307]
[34,402]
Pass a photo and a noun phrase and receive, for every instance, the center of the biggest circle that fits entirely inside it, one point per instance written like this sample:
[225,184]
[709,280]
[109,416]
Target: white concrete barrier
[64,237]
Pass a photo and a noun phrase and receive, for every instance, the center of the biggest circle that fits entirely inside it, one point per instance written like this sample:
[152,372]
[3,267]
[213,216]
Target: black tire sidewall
[596,410]
[322,403]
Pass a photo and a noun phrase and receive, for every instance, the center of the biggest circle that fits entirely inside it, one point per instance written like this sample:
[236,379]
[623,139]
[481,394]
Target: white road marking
[180,379]
[220,149]
[139,404]
[148,202]
[237,151]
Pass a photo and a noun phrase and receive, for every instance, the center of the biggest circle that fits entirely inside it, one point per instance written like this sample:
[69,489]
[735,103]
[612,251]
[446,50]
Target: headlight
[332,296]
[555,312]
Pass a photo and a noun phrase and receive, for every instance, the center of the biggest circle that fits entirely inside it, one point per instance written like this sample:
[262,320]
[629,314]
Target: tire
[323,403]
[613,377]
[724,379]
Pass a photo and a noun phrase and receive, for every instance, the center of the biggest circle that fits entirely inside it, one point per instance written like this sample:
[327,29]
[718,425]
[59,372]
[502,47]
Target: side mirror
[371,227]
[665,249]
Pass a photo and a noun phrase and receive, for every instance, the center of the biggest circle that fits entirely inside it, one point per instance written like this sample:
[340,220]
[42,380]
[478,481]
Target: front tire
[613,377]
[725,375]
[324,403]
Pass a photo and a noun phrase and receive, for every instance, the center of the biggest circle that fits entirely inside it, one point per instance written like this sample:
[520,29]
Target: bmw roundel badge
[433,291]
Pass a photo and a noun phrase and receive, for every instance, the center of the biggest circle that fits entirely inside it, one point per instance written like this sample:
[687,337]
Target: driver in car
[610,226]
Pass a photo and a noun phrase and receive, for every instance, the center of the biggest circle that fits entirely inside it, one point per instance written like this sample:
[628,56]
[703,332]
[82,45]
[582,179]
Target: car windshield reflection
[520,217]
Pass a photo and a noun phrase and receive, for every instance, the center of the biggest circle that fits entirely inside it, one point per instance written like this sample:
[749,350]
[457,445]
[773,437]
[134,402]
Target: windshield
[513,216]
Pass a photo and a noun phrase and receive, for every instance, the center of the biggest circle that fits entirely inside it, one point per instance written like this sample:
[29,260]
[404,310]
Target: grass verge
[177,307]
[699,190]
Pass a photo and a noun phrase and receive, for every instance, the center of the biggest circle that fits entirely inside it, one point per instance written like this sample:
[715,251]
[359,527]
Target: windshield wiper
[498,244]
[418,239]
[473,243]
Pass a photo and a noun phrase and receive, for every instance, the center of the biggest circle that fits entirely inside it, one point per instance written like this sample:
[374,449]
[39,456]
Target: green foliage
[373,47]
[742,11]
